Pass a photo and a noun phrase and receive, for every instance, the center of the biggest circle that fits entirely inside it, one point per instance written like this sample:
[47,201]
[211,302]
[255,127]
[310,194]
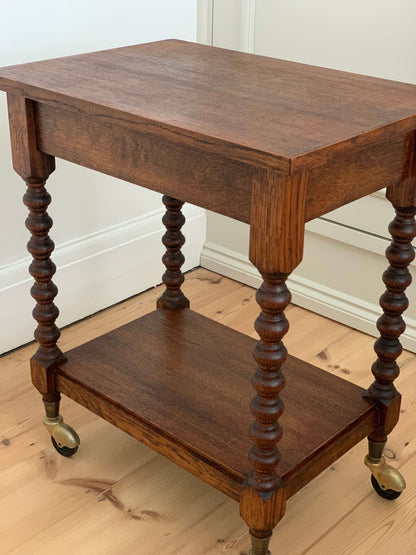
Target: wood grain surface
[148,160]
[118,496]
[277,221]
[176,380]
[185,380]
[254,109]
[224,185]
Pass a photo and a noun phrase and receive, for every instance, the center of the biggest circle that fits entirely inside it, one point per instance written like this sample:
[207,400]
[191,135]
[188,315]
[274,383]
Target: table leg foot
[259,546]
[64,438]
[386,480]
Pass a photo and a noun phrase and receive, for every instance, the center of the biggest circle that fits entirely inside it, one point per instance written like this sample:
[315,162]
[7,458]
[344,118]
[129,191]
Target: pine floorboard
[118,497]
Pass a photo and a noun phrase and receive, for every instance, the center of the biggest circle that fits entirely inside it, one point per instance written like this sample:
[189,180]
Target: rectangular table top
[281,113]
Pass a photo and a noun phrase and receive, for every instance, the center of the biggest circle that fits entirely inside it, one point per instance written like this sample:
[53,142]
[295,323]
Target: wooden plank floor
[117,497]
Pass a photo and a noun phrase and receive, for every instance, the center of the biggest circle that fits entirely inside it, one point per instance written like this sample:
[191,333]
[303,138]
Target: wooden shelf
[180,383]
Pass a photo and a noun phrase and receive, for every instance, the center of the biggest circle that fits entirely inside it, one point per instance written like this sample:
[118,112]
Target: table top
[281,112]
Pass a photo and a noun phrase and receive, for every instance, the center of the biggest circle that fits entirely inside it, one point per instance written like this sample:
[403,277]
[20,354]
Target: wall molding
[95,271]
[247,29]
[204,28]
[349,235]
[332,303]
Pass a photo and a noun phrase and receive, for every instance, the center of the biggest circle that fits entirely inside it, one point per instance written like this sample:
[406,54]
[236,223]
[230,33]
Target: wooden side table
[263,141]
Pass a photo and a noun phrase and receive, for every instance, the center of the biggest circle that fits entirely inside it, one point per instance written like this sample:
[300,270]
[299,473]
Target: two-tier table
[264,141]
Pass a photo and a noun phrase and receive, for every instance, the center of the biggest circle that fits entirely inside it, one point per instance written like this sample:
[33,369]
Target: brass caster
[386,480]
[64,438]
[259,546]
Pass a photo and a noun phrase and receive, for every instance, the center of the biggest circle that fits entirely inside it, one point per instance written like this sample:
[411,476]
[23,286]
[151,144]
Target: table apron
[207,179]
[104,144]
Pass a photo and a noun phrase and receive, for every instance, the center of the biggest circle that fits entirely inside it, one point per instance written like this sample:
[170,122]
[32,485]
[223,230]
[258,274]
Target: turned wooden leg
[48,355]
[385,369]
[173,297]
[44,291]
[263,500]
[35,167]
[276,247]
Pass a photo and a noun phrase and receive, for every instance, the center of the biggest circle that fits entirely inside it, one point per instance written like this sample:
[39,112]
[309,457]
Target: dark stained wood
[262,512]
[254,109]
[179,382]
[268,381]
[198,177]
[391,325]
[42,269]
[35,167]
[348,176]
[276,248]
[276,235]
[404,192]
[262,504]
[224,185]
[173,297]
[267,142]
[28,161]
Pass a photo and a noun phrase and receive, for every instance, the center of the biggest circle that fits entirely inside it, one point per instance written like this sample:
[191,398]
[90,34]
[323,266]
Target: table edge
[287,165]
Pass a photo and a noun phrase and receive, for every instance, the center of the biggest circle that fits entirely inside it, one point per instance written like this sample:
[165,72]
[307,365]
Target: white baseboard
[95,272]
[334,304]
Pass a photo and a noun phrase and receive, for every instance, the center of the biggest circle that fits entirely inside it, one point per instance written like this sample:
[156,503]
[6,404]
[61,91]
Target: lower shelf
[180,383]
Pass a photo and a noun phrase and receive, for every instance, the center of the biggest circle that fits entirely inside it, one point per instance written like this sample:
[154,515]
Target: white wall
[94,214]
[373,37]
[340,275]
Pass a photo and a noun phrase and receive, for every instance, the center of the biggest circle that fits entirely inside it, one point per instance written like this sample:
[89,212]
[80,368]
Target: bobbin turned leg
[276,247]
[173,297]
[264,500]
[64,438]
[35,167]
[387,481]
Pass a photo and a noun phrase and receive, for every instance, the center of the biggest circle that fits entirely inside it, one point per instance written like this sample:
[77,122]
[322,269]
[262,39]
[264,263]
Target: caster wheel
[384,493]
[64,451]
